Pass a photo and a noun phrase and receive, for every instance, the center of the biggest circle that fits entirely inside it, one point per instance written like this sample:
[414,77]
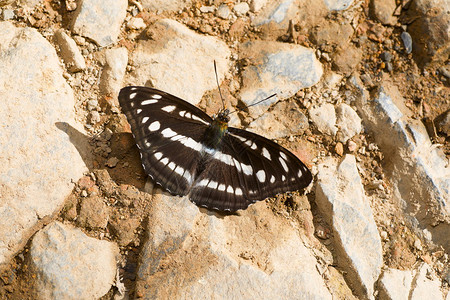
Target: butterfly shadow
[80,141]
[121,146]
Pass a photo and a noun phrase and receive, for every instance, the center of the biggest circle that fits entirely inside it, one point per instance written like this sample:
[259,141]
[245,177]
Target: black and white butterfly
[189,153]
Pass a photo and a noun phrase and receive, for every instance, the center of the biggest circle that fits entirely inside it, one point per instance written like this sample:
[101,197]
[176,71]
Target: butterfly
[188,152]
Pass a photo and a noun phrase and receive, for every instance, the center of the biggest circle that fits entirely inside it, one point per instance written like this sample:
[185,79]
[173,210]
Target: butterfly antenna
[273,95]
[218,86]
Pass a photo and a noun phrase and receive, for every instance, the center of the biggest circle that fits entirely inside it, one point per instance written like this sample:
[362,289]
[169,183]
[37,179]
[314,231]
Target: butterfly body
[189,153]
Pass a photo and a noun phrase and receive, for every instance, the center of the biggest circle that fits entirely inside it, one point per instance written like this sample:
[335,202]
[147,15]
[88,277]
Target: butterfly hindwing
[248,168]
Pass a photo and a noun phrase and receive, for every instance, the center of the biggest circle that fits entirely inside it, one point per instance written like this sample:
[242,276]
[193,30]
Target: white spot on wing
[272,179]
[154,126]
[230,189]
[203,182]
[132,95]
[238,192]
[168,133]
[300,173]
[164,161]
[144,120]
[266,153]
[149,101]
[283,177]
[158,155]
[194,117]
[182,113]
[172,166]
[248,170]
[261,175]
[138,111]
[169,108]
[283,155]
[221,187]
[283,164]
[155,96]
[213,184]
[189,142]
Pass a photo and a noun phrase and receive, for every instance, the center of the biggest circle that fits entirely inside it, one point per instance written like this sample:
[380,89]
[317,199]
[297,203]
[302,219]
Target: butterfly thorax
[217,129]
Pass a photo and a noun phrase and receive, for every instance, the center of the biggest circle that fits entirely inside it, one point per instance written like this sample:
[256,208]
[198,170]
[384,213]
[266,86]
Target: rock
[38,162]
[324,117]
[166,5]
[338,4]
[69,52]
[341,198]
[99,20]
[111,80]
[136,24]
[207,9]
[278,68]
[432,20]
[407,41]
[339,149]
[278,11]
[8,14]
[332,34]
[442,122]
[426,288]
[383,11]
[223,12]
[202,255]
[187,74]
[284,120]
[70,265]
[346,60]
[125,230]
[418,171]
[395,284]
[256,5]
[348,123]
[241,9]
[93,213]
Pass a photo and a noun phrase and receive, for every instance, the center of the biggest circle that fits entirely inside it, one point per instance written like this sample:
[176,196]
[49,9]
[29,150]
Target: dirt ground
[110,202]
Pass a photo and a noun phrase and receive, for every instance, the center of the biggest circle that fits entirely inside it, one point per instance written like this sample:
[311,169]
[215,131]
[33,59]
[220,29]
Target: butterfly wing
[246,168]
[161,124]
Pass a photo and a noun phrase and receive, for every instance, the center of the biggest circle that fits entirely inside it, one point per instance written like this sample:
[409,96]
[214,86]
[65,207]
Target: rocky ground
[363,99]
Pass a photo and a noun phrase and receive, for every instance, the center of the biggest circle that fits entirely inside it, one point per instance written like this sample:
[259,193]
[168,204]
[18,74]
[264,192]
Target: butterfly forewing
[226,170]
[162,126]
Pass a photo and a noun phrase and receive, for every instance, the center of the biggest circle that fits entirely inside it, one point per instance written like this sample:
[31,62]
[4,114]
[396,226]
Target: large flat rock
[37,160]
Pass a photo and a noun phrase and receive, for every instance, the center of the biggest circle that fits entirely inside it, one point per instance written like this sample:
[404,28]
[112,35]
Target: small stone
[93,213]
[92,104]
[241,9]
[94,117]
[386,56]
[223,12]
[112,162]
[352,146]
[418,245]
[339,148]
[256,5]
[207,9]
[443,122]
[136,24]
[407,41]
[8,14]
[69,52]
[384,235]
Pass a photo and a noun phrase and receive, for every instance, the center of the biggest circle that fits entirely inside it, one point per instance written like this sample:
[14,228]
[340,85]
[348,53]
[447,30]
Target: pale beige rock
[38,161]
[179,61]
